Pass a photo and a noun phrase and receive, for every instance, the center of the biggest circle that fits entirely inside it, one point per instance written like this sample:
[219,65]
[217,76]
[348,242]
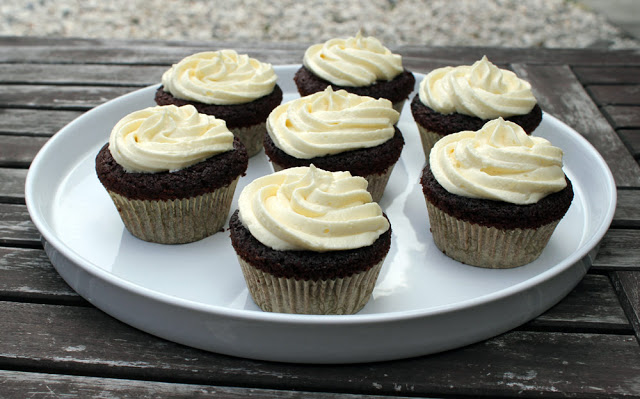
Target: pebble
[501,23]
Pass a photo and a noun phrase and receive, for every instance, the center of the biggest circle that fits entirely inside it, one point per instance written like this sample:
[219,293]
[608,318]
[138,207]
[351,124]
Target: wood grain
[17,384]
[16,228]
[94,74]
[623,116]
[627,285]
[58,97]
[615,94]
[607,75]
[12,185]
[619,251]
[29,122]
[38,338]
[631,139]
[19,151]
[627,214]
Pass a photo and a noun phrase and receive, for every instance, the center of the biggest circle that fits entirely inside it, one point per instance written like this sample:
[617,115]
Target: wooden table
[53,343]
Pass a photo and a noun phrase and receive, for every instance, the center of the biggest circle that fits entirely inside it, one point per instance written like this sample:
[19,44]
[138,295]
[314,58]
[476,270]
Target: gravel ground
[506,23]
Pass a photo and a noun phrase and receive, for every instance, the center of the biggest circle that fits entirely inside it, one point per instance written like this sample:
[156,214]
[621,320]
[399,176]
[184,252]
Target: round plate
[195,294]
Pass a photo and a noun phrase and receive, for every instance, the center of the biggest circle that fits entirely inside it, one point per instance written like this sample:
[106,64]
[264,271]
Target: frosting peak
[307,208]
[354,61]
[498,162]
[330,122]
[219,77]
[482,90]
[167,138]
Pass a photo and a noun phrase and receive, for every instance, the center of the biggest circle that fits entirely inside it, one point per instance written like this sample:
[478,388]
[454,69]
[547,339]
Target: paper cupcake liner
[251,136]
[376,183]
[428,139]
[398,106]
[488,247]
[176,221]
[287,295]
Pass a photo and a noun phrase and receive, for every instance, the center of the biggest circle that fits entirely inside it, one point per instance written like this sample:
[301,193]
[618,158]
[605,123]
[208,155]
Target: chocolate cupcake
[336,131]
[309,241]
[171,173]
[495,196]
[455,99]
[235,88]
[359,65]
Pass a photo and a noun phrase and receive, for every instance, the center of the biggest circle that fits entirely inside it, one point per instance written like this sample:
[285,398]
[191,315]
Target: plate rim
[285,318]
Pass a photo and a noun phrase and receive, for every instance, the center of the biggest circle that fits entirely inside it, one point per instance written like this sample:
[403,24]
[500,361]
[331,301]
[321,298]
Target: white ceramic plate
[195,294]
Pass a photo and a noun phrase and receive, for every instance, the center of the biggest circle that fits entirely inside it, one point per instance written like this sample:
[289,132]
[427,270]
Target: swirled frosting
[307,208]
[330,122]
[355,61]
[482,90]
[498,162]
[167,138]
[219,77]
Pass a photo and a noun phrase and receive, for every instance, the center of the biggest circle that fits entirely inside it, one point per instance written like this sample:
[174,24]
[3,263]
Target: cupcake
[336,131]
[171,173]
[232,87]
[359,65]
[455,99]
[309,241]
[495,196]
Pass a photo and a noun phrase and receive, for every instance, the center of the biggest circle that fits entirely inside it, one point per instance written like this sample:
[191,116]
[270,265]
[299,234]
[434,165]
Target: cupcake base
[345,295]
[177,221]
[484,246]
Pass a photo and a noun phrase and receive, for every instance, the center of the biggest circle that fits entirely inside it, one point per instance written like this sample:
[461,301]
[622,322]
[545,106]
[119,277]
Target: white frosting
[498,162]
[355,61]
[331,122]
[219,77]
[482,90]
[167,138]
[306,208]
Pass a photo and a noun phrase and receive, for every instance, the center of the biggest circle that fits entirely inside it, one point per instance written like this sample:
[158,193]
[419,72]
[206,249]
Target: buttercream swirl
[330,122]
[354,61]
[307,208]
[498,162]
[219,77]
[482,90]
[167,138]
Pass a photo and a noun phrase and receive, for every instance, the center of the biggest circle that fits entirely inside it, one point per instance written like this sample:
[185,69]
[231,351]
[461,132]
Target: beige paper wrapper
[488,247]
[176,221]
[428,139]
[398,106]
[287,295]
[376,183]
[251,136]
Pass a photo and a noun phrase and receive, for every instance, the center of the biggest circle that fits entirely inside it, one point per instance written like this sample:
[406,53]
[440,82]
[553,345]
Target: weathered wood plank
[627,214]
[37,338]
[623,116]
[28,122]
[16,227]
[619,251]
[27,275]
[631,139]
[19,151]
[592,306]
[561,94]
[35,385]
[607,75]
[12,185]
[627,284]
[58,97]
[615,94]
[99,75]
[153,54]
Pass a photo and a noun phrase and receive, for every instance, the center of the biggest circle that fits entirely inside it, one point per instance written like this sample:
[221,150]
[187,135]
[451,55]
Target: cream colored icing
[307,208]
[354,61]
[219,77]
[482,90]
[498,162]
[330,122]
[167,138]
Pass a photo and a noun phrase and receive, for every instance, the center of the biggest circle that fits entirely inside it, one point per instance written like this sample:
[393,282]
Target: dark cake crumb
[498,214]
[204,177]
[306,265]
[236,115]
[360,162]
[453,123]
[395,90]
